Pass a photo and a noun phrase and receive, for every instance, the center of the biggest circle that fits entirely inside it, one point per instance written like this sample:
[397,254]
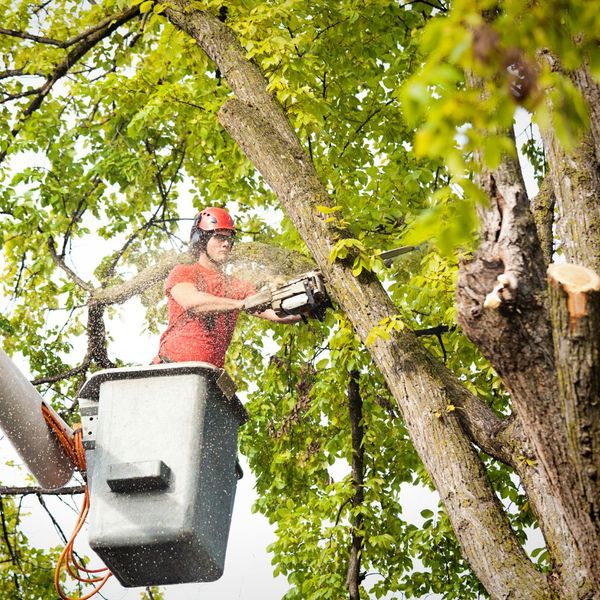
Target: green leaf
[146,6]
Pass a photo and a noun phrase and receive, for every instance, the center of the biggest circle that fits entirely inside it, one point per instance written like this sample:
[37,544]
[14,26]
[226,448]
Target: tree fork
[501,306]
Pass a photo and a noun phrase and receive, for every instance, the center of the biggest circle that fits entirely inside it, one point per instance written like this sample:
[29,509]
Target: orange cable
[73,447]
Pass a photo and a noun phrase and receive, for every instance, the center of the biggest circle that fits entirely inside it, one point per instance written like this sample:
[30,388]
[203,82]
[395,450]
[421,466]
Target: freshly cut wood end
[574,278]
[576,281]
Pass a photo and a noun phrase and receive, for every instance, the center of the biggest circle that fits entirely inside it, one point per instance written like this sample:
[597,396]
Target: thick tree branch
[259,126]
[97,344]
[223,48]
[256,262]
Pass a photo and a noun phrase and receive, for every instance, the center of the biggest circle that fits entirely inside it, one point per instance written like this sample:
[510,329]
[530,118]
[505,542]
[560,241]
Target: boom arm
[22,421]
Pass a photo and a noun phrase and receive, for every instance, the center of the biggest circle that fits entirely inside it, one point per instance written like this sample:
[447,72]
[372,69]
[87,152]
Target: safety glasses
[225,237]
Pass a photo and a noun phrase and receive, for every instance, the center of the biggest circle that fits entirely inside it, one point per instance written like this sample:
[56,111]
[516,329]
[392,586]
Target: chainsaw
[304,295]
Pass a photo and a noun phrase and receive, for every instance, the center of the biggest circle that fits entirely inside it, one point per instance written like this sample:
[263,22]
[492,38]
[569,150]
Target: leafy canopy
[122,135]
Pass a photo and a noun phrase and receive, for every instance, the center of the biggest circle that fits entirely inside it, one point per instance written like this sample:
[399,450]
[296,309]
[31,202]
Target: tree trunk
[502,307]
[575,178]
[503,304]
[423,389]
[575,307]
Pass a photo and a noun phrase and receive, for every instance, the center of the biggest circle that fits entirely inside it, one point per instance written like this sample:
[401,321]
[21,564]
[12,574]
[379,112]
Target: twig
[136,234]
[18,73]
[29,36]
[56,524]
[436,6]
[437,330]
[63,43]
[64,375]
[361,125]
[27,490]
[77,214]
[11,552]
[61,263]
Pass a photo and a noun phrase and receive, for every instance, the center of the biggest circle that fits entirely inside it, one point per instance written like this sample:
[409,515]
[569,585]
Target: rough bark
[422,388]
[577,188]
[576,311]
[590,90]
[97,349]
[501,306]
[576,181]
[542,207]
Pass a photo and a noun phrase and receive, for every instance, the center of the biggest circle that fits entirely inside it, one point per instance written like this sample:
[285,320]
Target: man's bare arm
[190,298]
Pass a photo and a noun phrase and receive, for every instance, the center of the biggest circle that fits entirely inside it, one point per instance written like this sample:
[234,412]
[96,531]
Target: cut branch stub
[577,282]
[575,307]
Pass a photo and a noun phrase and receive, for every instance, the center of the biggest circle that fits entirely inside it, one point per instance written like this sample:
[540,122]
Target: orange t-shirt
[204,337]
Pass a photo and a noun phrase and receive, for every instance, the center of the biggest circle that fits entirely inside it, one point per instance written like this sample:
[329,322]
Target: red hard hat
[213,218]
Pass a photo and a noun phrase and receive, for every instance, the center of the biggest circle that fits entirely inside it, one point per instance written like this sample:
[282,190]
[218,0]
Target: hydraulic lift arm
[23,422]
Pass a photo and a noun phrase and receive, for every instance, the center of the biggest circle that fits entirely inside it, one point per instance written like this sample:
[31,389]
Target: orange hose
[73,447]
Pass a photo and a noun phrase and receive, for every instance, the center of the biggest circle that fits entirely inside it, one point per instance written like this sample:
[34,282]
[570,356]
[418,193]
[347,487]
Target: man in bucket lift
[203,302]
